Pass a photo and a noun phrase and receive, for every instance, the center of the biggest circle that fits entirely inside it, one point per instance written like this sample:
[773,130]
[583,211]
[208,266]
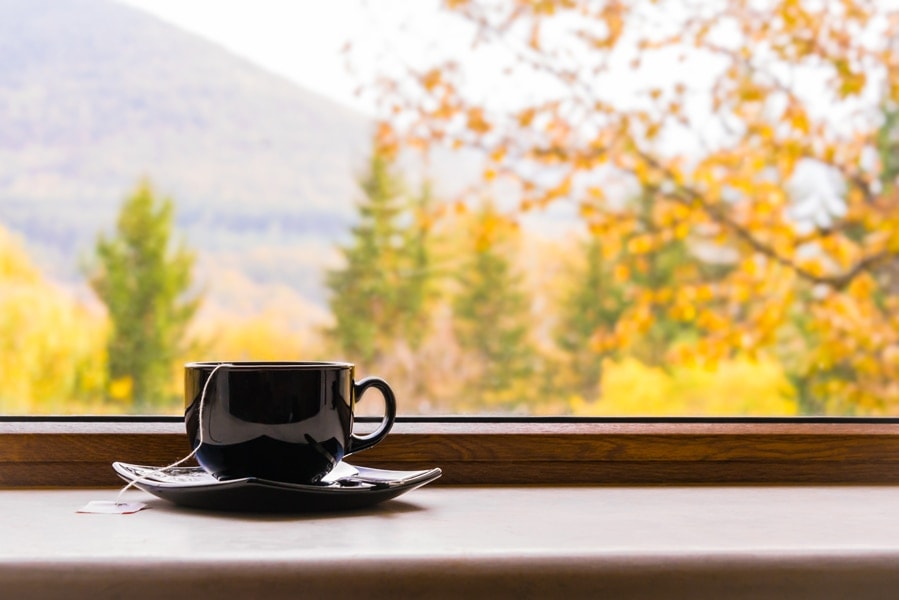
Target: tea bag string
[162,470]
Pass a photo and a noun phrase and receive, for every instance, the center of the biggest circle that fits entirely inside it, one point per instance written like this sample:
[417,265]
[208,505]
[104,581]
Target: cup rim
[302,365]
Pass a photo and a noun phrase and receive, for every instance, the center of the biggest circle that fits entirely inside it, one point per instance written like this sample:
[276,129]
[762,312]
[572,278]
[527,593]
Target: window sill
[35,453]
[474,541]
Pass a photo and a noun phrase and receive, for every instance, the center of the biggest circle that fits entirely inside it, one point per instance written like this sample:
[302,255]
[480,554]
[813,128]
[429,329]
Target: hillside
[95,95]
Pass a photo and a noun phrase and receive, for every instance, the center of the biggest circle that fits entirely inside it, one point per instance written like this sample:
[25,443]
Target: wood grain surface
[66,454]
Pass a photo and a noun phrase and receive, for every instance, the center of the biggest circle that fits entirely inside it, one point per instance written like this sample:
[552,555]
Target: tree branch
[839,281]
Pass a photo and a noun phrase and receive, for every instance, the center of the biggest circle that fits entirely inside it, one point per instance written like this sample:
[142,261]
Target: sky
[302,40]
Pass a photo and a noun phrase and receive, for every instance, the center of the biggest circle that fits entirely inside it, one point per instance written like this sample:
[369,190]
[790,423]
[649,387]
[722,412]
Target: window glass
[530,207]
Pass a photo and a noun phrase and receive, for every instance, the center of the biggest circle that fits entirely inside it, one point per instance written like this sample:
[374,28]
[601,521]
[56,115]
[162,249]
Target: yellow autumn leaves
[51,347]
[762,106]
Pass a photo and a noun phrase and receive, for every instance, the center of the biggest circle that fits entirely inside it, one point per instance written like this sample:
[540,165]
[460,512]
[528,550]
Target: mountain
[95,95]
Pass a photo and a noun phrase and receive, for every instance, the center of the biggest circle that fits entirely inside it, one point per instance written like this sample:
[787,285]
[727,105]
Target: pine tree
[492,317]
[418,287]
[590,309]
[666,267]
[144,282]
[599,298]
[379,294]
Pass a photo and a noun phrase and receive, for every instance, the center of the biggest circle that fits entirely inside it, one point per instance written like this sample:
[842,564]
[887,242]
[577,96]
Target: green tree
[886,142]
[144,282]
[588,313]
[492,317]
[418,290]
[652,274]
[610,283]
[379,294]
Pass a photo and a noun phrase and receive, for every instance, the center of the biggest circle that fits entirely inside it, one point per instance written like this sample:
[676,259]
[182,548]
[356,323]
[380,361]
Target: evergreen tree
[492,317]
[597,300]
[378,295]
[417,284]
[886,143]
[591,307]
[665,268]
[143,282]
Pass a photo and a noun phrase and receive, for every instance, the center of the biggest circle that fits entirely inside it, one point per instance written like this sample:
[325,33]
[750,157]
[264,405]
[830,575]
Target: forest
[735,251]
[459,308]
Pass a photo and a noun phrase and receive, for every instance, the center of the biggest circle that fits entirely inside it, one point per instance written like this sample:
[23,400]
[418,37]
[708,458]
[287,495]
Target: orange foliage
[750,96]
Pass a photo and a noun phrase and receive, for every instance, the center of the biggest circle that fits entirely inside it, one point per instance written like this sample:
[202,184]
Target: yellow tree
[753,125]
[52,359]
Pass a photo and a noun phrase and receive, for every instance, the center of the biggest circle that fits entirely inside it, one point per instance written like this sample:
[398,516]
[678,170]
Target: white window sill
[552,542]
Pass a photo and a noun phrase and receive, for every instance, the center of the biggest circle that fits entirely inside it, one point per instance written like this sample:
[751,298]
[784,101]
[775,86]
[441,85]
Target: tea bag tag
[117,506]
[111,507]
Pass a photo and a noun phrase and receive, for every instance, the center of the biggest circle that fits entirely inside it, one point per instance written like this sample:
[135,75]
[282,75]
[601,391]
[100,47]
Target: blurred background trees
[730,169]
[52,352]
[492,318]
[760,138]
[143,280]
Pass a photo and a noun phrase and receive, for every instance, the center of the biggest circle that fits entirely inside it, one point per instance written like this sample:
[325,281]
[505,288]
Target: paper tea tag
[110,507]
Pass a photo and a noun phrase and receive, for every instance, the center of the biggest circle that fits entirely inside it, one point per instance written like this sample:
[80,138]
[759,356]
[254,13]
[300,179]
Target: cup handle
[358,443]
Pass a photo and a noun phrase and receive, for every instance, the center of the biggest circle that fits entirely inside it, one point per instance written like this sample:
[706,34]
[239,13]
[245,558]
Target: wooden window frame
[77,452]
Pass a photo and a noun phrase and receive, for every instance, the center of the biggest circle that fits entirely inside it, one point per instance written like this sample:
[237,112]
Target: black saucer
[347,487]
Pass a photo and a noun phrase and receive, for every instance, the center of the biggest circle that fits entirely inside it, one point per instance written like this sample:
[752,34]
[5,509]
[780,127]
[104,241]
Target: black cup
[282,421]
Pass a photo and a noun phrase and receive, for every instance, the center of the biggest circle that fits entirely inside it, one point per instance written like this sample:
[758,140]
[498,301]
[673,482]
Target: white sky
[302,39]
